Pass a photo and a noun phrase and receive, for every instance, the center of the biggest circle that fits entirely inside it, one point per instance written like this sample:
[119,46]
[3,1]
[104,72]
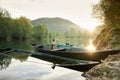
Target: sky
[77,11]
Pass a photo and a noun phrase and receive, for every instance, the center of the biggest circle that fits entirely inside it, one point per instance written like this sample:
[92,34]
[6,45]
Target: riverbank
[109,69]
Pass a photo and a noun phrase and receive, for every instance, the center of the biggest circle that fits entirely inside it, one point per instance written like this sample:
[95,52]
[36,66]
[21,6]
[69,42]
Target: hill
[56,24]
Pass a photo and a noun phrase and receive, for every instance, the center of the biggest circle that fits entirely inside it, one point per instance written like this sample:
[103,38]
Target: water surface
[14,66]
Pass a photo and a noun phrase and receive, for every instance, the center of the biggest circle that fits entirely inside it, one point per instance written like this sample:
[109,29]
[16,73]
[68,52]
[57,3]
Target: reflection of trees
[5,61]
[108,11]
[19,56]
[16,44]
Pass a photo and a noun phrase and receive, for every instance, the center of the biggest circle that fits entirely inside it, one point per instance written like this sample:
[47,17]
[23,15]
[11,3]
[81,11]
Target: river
[14,66]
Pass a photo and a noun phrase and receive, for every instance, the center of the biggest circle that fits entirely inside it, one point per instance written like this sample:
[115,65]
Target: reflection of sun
[90,46]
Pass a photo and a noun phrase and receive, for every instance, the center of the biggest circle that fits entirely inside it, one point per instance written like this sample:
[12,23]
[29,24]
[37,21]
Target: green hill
[56,24]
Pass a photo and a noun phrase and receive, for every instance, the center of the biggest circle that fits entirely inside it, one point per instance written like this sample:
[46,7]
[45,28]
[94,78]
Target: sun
[91,25]
[90,28]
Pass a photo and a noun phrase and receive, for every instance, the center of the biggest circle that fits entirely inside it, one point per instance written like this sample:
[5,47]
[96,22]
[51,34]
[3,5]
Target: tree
[108,11]
[40,31]
[26,27]
[4,23]
[21,29]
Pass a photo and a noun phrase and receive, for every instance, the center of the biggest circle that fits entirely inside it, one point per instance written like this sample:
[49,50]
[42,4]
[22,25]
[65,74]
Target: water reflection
[5,61]
[21,66]
[16,44]
[40,70]
[91,46]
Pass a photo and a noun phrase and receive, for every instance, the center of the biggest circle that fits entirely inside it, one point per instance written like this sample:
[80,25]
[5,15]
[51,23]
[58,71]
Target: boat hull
[96,55]
[82,68]
[74,64]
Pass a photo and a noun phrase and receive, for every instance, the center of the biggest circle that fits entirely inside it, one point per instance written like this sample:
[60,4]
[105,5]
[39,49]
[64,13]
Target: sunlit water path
[90,45]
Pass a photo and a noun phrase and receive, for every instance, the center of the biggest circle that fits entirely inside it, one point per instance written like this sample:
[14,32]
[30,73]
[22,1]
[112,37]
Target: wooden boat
[77,53]
[80,67]
[75,64]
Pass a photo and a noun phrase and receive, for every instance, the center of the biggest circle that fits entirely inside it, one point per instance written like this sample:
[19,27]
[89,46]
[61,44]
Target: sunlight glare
[91,29]
[90,46]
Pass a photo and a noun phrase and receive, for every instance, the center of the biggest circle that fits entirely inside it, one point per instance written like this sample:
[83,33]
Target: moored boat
[77,53]
[75,64]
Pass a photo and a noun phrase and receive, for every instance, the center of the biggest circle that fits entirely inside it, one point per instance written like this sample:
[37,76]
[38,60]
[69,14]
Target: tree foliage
[40,31]
[4,23]
[21,28]
[108,11]
[16,29]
